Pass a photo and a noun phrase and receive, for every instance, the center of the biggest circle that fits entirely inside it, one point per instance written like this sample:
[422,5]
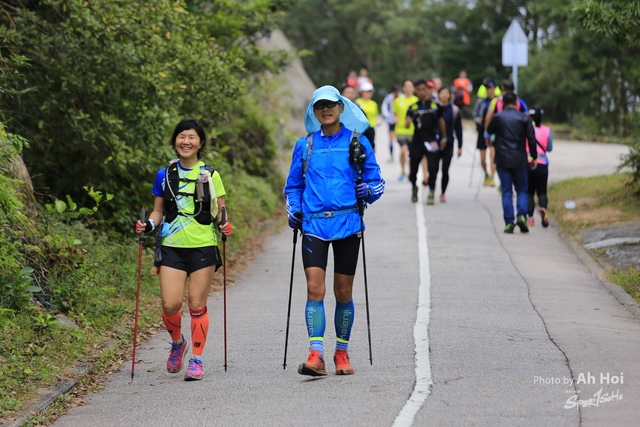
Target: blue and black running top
[326,194]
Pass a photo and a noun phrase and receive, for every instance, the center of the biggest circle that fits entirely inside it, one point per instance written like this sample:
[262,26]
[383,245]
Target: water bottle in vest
[202,180]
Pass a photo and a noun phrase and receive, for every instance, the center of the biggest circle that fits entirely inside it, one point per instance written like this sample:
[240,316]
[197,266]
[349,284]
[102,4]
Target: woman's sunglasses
[321,105]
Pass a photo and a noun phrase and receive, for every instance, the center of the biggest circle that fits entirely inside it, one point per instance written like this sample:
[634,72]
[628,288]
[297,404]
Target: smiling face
[328,112]
[187,144]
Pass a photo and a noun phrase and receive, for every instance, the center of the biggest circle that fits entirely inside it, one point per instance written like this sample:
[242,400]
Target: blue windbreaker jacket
[330,185]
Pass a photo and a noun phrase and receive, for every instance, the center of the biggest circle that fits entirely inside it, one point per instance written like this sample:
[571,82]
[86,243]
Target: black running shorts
[191,259]
[345,253]
[392,127]
[403,139]
[481,144]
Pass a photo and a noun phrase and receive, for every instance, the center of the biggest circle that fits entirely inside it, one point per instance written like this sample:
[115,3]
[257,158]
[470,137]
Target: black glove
[295,220]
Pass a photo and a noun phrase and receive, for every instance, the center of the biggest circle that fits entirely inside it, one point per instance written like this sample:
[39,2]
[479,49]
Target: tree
[619,19]
[108,80]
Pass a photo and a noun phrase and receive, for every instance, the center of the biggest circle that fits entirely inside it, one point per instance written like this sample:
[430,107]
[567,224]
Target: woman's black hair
[407,80]
[444,88]
[536,115]
[187,124]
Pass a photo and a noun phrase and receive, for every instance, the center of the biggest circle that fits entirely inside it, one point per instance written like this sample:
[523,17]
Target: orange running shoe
[314,365]
[343,366]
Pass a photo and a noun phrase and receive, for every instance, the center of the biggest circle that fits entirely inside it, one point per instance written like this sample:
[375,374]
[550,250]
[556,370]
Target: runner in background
[453,125]
[425,160]
[539,176]
[351,93]
[370,108]
[463,88]
[437,84]
[387,114]
[403,133]
[482,91]
[479,114]
[364,78]
[352,79]
[426,116]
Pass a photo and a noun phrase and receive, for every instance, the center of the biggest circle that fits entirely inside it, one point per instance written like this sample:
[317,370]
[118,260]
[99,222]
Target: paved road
[507,318]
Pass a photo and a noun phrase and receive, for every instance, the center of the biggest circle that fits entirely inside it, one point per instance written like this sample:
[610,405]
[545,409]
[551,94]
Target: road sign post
[515,49]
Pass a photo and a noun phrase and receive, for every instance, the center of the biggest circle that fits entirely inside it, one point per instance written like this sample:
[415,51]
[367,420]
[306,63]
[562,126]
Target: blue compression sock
[344,323]
[316,323]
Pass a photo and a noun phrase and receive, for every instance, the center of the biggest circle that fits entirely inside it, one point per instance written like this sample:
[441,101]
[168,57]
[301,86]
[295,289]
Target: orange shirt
[463,86]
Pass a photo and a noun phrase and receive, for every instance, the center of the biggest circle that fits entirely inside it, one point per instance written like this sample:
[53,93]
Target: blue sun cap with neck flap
[352,117]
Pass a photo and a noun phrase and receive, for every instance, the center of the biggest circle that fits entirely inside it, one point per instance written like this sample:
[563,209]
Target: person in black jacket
[453,124]
[513,130]
[426,116]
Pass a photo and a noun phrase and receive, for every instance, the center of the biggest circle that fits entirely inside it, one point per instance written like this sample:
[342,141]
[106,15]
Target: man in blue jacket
[513,130]
[322,201]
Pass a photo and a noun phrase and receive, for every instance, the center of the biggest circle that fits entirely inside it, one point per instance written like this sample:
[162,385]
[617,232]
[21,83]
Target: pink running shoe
[194,371]
[174,363]
[530,221]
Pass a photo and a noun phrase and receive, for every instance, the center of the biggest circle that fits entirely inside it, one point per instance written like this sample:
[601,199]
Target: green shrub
[632,161]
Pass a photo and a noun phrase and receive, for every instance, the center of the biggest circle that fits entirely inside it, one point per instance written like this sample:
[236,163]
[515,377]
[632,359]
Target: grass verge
[91,278]
[600,201]
[567,132]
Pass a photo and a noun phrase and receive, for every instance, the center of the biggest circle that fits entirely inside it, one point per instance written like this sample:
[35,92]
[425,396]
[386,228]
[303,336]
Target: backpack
[205,211]
[309,146]
[500,105]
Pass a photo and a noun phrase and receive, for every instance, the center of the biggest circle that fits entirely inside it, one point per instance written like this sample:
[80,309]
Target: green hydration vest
[205,211]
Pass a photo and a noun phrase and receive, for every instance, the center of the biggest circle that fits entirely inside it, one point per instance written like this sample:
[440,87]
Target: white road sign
[515,46]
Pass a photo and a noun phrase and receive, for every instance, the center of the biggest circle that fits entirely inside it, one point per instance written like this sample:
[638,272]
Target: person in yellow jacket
[404,134]
[370,109]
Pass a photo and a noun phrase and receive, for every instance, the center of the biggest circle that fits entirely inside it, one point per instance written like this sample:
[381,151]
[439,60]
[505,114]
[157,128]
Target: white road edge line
[423,384]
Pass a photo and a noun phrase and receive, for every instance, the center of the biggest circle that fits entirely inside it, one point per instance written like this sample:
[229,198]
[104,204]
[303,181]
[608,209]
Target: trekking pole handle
[295,232]
[360,201]
[223,221]
[143,219]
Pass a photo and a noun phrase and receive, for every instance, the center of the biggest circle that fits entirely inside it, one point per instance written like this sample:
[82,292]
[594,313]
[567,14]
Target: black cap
[490,83]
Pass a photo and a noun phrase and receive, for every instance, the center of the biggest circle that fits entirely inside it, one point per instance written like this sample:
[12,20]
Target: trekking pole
[358,157]
[293,263]
[473,163]
[364,267]
[223,221]
[143,219]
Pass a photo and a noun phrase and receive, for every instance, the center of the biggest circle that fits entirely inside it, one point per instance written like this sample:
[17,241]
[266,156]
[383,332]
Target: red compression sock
[173,325]
[199,330]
